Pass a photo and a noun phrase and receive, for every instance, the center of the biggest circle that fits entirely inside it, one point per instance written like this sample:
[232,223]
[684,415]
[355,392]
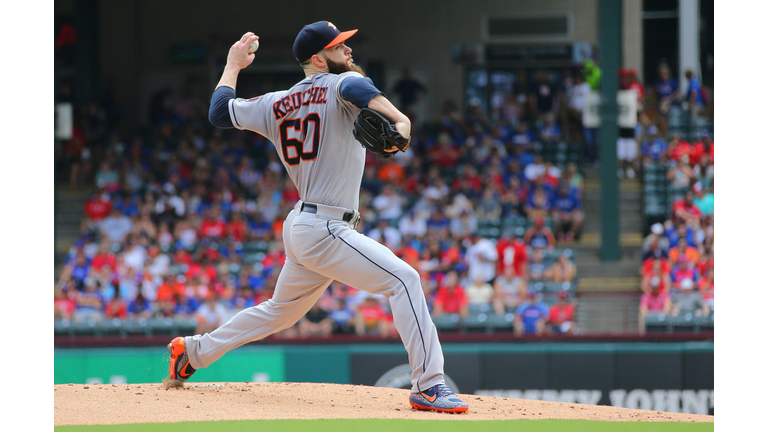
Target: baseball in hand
[254,46]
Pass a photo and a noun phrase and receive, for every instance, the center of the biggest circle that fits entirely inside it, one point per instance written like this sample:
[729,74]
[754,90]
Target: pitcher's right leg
[297,290]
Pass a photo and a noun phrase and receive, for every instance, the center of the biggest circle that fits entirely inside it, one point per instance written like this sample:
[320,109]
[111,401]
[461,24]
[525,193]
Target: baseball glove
[378,134]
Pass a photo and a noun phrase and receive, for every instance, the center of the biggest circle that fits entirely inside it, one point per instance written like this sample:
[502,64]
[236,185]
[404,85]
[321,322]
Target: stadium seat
[184,325]
[683,323]
[503,323]
[657,323]
[84,328]
[135,327]
[475,322]
[447,323]
[160,326]
[705,323]
[62,327]
[110,327]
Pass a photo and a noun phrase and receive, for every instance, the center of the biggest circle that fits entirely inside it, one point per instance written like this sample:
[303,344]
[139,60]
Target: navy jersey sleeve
[358,91]
[218,113]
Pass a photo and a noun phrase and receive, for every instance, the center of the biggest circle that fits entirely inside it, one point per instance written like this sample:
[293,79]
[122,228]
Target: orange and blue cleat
[180,369]
[438,398]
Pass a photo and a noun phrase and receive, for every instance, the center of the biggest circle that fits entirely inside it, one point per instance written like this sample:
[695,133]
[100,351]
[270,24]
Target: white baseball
[254,46]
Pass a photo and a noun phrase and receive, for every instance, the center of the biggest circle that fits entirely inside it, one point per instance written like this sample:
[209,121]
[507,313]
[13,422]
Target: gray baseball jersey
[311,127]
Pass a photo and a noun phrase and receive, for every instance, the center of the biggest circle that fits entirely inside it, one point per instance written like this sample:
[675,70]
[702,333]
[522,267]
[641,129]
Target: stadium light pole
[610,36]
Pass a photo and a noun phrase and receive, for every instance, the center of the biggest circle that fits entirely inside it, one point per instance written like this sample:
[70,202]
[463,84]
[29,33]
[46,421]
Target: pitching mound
[90,404]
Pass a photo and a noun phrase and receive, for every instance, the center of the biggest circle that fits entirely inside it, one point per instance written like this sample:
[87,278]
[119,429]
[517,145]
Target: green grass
[377,425]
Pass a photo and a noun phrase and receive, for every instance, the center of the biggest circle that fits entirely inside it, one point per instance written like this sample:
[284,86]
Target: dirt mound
[88,404]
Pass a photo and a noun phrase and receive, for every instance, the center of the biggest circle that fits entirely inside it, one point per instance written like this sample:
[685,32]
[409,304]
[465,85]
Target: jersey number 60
[299,153]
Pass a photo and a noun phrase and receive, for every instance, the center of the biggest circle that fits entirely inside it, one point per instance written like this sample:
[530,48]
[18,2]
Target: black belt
[311,208]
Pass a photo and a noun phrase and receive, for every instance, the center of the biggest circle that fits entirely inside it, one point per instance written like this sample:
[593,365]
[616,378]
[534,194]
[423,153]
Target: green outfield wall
[675,377]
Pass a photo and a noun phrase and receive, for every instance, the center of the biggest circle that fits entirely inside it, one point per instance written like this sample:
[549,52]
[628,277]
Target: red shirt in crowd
[560,313]
[683,205]
[236,229]
[97,209]
[213,228]
[100,260]
[682,148]
[511,253]
[451,300]
[648,267]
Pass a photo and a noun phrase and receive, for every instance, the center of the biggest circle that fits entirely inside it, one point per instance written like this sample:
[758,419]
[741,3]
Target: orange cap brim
[341,38]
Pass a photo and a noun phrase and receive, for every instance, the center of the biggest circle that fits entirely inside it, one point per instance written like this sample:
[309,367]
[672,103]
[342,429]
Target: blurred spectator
[410,91]
[655,269]
[107,178]
[342,317]
[444,154]
[683,252]
[654,149]
[539,203]
[562,319]
[479,292]
[567,214]
[656,237]
[96,209]
[677,230]
[531,316]
[685,270]
[685,210]
[89,304]
[655,301]
[539,236]
[385,234]
[703,199]
[116,307]
[116,226]
[544,95]
[211,314]
[695,95]
[667,91]
[388,204]
[450,297]
[63,303]
[689,301]
[488,209]
[680,174]
[464,224]
[523,137]
[538,270]
[481,259]
[563,269]
[510,290]
[411,224]
[316,322]
[371,318]
[551,132]
[707,288]
[512,253]
[139,307]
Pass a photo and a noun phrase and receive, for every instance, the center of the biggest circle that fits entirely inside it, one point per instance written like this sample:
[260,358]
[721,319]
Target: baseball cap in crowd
[316,37]
[657,229]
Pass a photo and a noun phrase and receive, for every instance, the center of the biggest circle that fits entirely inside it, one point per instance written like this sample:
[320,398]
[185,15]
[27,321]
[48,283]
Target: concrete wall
[136,36]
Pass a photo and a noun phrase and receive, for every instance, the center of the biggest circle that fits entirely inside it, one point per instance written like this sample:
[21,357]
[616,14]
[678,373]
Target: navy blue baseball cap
[316,37]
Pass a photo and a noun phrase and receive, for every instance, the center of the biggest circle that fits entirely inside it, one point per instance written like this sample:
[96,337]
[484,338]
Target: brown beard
[340,68]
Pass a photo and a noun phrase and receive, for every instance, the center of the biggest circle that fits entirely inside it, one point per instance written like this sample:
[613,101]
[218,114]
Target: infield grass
[378,425]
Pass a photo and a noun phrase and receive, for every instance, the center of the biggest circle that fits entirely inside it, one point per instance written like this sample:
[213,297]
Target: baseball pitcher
[321,128]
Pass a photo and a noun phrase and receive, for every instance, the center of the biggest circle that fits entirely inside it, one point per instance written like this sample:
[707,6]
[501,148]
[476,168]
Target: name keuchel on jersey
[294,101]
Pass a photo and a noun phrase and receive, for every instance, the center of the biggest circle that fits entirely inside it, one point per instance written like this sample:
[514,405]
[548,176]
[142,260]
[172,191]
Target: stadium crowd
[677,272]
[186,220]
